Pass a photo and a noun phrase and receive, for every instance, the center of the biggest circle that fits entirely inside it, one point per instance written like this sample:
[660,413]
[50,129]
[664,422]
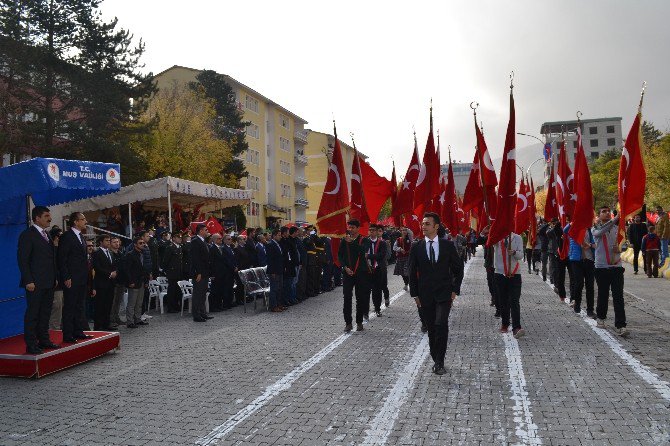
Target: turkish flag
[377,189]
[583,215]
[503,224]
[428,183]
[632,177]
[450,208]
[481,181]
[332,215]
[404,203]
[522,208]
[565,199]
[213,226]
[358,209]
[413,222]
[473,196]
[532,214]
[550,209]
[463,217]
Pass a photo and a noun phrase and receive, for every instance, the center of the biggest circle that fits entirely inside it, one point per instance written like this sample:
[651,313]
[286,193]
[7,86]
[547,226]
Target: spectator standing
[275,271]
[216,267]
[229,272]
[57,307]
[290,254]
[199,273]
[119,283]
[103,283]
[261,254]
[186,254]
[636,232]
[173,264]
[651,245]
[300,288]
[663,232]
[136,276]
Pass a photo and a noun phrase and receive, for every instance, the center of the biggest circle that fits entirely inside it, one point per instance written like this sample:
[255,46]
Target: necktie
[432,252]
[44,234]
[81,238]
[109,256]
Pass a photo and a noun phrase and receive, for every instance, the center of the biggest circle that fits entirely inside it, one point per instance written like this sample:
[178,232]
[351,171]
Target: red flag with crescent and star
[550,209]
[332,215]
[358,209]
[522,209]
[564,184]
[583,215]
[404,203]
[428,183]
[632,176]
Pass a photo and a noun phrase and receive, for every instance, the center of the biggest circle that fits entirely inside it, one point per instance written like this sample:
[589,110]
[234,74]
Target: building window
[288,215]
[283,121]
[594,143]
[611,142]
[595,155]
[284,144]
[253,156]
[593,130]
[285,190]
[610,129]
[253,131]
[574,144]
[253,209]
[253,183]
[252,104]
[285,167]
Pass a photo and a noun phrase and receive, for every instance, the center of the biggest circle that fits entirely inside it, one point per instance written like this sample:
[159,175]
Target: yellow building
[319,150]
[275,160]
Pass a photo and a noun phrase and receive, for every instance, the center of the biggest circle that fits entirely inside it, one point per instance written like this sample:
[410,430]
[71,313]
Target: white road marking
[526,430]
[644,372]
[275,389]
[636,297]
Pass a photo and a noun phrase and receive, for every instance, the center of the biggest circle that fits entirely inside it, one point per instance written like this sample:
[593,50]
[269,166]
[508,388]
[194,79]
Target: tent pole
[28,219]
[130,220]
[169,197]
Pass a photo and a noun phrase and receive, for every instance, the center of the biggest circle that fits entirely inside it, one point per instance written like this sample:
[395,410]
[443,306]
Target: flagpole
[644,87]
[509,237]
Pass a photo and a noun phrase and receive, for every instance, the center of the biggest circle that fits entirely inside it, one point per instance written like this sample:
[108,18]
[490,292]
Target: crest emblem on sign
[53,171]
[112,176]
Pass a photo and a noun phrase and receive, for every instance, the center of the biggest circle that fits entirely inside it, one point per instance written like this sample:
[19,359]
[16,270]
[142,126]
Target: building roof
[240,84]
[555,126]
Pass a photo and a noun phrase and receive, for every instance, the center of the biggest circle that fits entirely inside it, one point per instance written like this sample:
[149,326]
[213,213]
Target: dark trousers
[490,281]
[103,307]
[36,318]
[436,317]
[636,253]
[216,294]
[509,292]
[198,298]
[582,276]
[228,291]
[529,258]
[651,263]
[558,271]
[313,280]
[287,291]
[239,289]
[276,284]
[611,279]
[301,286]
[327,277]
[379,286]
[337,275]
[173,295]
[73,309]
[544,256]
[360,281]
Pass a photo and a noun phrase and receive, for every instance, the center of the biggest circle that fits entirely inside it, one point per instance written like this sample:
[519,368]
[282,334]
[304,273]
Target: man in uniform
[352,257]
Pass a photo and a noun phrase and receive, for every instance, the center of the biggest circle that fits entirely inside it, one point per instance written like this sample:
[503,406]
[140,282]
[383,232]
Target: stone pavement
[294,378]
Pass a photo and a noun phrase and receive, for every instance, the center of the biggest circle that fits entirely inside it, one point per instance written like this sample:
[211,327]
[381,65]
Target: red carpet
[14,361]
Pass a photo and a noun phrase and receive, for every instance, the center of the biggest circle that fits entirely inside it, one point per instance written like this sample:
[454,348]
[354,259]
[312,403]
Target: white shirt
[201,238]
[436,247]
[43,232]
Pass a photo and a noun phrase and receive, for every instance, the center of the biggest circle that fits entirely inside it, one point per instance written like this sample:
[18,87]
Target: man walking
[544,247]
[636,232]
[103,283]
[377,256]
[651,245]
[609,272]
[37,262]
[352,256]
[436,273]
[199,273]
[73,268]
[580,263]
[663,232]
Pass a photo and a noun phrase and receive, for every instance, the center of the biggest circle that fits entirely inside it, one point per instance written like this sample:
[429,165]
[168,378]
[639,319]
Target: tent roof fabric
[153,194]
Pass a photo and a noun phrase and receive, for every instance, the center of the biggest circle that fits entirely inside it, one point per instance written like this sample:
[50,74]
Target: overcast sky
[375,65]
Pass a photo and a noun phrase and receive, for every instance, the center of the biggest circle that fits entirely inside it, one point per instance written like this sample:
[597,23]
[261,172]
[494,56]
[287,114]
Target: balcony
[301,202]
[300,136]
[300,157]
[301,181]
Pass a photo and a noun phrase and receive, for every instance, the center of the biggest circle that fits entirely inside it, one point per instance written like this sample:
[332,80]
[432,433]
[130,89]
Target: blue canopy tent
[46,182]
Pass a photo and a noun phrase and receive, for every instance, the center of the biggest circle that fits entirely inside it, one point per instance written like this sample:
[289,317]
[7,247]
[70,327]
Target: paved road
[295,378]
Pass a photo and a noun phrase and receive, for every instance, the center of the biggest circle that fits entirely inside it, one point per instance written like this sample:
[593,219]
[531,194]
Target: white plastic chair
[156,291]
[162,280]
[186,293]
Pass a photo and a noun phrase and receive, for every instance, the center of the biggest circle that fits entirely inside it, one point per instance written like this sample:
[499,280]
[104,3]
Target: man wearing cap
[352,257]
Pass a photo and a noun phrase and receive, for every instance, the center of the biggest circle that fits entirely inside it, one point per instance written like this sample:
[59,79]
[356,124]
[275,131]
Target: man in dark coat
[136,277]
[199,273]
[216,268]
[352,257]
[73,269]
[436,273]
[291,256]
[37,264]
[275,271]
[636,232]
[104,282]
[186,254]
[229,271]
[377,255]
[173,264]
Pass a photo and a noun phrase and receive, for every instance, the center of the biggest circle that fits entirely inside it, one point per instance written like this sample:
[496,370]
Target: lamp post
[546,169]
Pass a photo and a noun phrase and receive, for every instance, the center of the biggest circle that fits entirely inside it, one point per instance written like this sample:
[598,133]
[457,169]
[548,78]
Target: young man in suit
[352,257]
[37,262]
[199,273]
[216,267]
[73,268]
[172,264]
[435,276]
[104,282]
[275,271]
[377,255]
[136,277]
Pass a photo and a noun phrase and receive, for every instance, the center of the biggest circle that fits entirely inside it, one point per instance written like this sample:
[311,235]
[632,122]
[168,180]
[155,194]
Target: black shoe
[348,328]
[387,302]
[497,314]
[132,325]
[142,323]
[424,329]
[378,313]
[83,336]
[591,314]
[492,304]
[440,370]
[111,329]
[578,310]
[367,318]
[199,319]
[359,326]
[34,350]
[209,317]
[50,345]
[69,341]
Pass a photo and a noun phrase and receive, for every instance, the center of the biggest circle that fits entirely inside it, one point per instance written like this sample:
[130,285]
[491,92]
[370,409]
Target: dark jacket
[352,254]
[555,236]
[379,258]
[72,259]
[37,259]
[290,255]
[103,267]
[302,252]
[216,262]
[229,260]
[261,254]
[275,258]
[435,282]
[252,255]
[542,236]
[244,261]
[199,258]
[133,270]
[173,262]
[186,257]
[636,231]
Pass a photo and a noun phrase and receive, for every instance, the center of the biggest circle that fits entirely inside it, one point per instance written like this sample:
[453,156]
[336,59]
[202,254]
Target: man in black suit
[104,282]
[136,276]
[172,264]
[73,268]
[216,267]
[199,273]
[275,271]
[357,274]
[229,271]
[291,258]
[37,262]
[436,273]
[376,256]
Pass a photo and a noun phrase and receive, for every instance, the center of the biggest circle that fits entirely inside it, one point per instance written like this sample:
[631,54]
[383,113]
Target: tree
[183,141]
[540,201]
[385,211]
[605,178]
[650,135]
[657,163]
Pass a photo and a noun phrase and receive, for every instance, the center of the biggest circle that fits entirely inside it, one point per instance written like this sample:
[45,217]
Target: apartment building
[598,136]
[275,160]
[319,152]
